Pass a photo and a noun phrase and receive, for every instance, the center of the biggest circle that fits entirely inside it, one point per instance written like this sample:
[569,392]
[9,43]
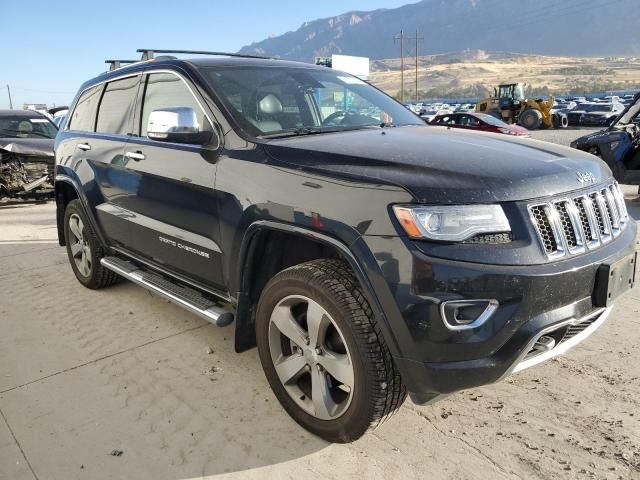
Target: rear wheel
[530,119]
[323,353]
[84,249]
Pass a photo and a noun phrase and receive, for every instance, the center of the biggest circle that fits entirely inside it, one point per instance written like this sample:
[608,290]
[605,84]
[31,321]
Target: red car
[480,122]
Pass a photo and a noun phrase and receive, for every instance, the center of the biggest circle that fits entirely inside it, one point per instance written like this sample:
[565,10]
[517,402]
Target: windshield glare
[268,101]
[17,126]
[631,114]
[491,120]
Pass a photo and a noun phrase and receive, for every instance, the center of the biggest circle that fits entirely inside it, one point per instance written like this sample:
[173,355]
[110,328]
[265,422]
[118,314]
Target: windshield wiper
[303,131]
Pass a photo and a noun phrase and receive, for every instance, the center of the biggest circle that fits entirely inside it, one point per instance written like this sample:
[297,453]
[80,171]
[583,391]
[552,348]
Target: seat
[268,106]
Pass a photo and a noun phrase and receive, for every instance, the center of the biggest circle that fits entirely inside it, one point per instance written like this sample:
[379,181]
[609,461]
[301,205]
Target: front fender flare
[357,255]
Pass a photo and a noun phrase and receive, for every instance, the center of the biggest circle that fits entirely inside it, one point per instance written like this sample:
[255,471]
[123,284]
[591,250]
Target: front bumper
[534,300]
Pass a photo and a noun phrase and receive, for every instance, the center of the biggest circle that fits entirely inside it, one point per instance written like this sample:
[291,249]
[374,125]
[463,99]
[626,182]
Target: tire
[348,339]
[84,249]
[530,119]
[560,120]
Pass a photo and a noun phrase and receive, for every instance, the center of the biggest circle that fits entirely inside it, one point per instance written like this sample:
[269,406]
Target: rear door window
[82,118]
[115,114]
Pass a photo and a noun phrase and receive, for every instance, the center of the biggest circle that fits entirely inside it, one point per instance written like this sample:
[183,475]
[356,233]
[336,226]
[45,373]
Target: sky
[49,48]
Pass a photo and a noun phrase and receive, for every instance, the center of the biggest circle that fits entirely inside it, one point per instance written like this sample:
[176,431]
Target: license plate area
[614,280]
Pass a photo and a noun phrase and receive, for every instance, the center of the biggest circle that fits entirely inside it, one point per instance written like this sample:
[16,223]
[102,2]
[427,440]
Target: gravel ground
[562,137]
[118,384]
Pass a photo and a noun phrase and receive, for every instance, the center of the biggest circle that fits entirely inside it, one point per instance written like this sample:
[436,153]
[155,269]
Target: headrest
[270,105]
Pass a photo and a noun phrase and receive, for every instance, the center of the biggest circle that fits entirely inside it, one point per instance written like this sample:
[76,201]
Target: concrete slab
[13,465]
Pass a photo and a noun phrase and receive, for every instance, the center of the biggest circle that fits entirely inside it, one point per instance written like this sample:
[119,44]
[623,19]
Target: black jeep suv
[365,253]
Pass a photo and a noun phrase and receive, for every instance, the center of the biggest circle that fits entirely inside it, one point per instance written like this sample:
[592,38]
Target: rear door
[163,205]
[92,144]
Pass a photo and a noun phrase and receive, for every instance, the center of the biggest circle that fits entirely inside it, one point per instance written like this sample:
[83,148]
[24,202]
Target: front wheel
[323,353]
[530,119]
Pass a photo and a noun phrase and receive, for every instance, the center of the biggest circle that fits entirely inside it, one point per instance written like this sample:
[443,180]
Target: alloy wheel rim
[80,249]
[311,358]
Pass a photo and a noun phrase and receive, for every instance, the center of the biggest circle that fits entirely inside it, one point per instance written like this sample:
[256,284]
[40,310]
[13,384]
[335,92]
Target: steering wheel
[334,116]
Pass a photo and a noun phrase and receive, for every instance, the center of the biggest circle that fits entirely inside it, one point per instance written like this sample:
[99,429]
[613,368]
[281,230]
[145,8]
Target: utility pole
[10,101]
[401,38]
[418,40]
[395,39]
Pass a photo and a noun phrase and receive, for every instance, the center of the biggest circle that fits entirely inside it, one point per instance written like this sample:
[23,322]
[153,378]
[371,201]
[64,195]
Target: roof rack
[149,53]
[116,64]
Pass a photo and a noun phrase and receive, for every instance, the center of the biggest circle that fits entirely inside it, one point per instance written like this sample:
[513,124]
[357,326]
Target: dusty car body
[26,154]
[618,145]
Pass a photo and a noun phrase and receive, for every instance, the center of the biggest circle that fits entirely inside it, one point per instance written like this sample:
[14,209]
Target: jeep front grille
[573,225]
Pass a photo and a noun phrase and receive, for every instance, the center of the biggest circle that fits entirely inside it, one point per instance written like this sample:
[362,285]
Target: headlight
[451,223]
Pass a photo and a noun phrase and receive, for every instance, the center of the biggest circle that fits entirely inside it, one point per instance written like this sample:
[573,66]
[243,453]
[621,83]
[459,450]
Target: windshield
[491,120]
[19,126]
[273,101]
[630,114]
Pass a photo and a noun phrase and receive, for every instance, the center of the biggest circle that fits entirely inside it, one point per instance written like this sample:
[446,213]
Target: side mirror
[176,125]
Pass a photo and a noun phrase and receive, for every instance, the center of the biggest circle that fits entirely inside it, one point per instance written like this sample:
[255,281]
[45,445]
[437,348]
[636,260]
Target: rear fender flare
[66,179]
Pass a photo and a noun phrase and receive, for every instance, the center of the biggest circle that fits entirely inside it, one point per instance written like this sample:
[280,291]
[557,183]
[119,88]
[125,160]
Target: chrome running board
[185,297]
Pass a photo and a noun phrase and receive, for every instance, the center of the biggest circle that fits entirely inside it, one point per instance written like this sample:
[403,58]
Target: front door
[165,206]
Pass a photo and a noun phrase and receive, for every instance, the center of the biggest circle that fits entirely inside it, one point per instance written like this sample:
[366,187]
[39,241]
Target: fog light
[467,314]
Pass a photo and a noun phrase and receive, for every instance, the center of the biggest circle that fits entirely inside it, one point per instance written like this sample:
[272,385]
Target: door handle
[84,146]
[137,156]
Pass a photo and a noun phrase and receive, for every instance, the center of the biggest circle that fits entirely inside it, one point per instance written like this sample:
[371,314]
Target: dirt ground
[459,71]
[118,384]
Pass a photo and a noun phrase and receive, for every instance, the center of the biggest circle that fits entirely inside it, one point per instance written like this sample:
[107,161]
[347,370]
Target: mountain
[545,27]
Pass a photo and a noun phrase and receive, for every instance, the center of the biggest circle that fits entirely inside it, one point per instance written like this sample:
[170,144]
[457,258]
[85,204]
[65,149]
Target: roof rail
[149,53]
[116,64]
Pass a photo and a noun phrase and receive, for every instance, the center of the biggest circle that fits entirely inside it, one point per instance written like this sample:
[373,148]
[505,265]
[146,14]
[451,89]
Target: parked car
[575,115]
[601,115]
[480,122]
[466,108]
[564,107]
[618,145]
[429,115]
[26,153]
[58,115]
[366,256]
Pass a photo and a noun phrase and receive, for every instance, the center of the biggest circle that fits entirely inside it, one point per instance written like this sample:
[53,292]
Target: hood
[517,129]
[600,137]
[440,165]
[28,146]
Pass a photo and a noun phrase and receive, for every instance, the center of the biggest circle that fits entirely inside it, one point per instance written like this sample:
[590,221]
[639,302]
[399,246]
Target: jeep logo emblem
[585,177]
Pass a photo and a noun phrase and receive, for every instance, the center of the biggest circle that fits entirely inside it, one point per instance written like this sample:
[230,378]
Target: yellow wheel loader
[510,105]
